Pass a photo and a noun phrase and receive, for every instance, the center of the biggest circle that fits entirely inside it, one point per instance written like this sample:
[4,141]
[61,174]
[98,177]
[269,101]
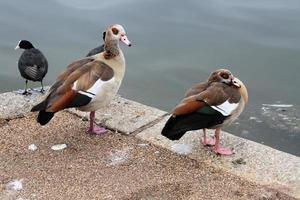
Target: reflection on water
[175,44]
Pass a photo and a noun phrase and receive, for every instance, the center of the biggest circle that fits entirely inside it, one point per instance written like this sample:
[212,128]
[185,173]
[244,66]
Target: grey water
[175,44]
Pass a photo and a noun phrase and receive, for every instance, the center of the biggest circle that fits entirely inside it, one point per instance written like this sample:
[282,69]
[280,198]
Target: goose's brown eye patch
[115,31]
[225,75]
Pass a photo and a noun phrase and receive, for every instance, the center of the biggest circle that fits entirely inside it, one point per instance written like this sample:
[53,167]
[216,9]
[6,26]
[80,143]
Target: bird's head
[223,76]
[242,88]
[116,32]
[24,44]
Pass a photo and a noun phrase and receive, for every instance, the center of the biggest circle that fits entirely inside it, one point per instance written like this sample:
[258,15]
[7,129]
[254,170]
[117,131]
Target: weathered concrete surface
[251,160]
[124,115]
[112,166]
[13,105]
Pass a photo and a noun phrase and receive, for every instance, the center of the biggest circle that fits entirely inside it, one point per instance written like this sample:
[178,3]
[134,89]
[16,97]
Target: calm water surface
[175,44]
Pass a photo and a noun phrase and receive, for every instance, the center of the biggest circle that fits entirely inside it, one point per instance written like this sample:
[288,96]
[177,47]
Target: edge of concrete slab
[252,161]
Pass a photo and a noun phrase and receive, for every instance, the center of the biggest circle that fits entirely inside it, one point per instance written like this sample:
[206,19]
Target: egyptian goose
[88,84]
[32,64]
[98,49]
[213,104]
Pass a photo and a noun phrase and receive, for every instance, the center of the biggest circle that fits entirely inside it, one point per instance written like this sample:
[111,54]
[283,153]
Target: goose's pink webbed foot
[218,149]
[223,151]
[95,129]
[207,141]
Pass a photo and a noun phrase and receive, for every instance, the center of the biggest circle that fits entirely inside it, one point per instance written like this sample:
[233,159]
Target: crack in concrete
[133,133]
[150,124]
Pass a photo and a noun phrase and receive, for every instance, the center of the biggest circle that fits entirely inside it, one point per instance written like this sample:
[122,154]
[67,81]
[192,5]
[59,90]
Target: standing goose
[98,49]
[89,83]
[213,104]
[32,64]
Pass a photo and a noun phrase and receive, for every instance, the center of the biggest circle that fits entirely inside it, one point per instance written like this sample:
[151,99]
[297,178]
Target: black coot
[32,64]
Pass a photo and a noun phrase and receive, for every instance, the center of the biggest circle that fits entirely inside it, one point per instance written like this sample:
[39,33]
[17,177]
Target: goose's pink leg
[95,129]
[218,149]
[207,141]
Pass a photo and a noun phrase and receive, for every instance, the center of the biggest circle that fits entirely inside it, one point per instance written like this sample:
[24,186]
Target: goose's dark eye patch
[225,75]
[115,31]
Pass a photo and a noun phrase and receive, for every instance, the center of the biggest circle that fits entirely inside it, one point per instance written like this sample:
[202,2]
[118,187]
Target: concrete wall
[251,160]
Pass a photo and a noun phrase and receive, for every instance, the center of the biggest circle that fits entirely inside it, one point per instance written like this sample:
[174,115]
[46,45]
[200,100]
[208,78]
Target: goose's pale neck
[111,49]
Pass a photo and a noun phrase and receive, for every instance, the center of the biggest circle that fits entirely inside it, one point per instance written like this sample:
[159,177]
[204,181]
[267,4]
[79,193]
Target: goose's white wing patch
[92,91]
[226,108]
[95,88]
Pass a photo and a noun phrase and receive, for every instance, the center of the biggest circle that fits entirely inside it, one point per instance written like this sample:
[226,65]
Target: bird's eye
[225,76]
[115,31]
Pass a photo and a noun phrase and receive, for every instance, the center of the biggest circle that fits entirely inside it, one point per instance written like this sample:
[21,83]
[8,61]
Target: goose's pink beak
[125,40]
[236,83]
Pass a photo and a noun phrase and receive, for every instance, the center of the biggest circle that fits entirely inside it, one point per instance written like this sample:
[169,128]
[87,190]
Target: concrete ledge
[13,105]
[252,161]
[122,115]
[125,116]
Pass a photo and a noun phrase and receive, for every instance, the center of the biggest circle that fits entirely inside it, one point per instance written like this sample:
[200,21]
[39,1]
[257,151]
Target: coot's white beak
[125,40]
[17,47]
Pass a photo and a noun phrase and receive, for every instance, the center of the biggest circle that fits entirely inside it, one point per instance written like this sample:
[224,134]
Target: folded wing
[206,109]
[75,87]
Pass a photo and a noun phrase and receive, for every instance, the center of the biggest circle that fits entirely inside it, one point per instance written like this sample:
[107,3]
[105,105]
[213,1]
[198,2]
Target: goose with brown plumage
[213,104]
[88,84]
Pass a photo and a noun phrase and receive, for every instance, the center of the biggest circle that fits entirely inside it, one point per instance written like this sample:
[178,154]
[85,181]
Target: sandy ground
[110,166]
